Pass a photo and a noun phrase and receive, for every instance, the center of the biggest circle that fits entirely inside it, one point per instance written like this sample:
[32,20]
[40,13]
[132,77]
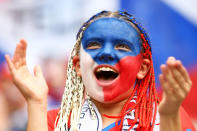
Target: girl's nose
[107,55]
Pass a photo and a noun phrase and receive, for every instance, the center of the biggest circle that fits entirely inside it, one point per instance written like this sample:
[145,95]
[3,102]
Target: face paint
[109,58]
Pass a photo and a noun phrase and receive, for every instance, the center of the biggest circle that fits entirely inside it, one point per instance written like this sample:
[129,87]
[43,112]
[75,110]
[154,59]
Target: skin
[100,42]
[174,80]
[119,50]
[176,84]
[32,87]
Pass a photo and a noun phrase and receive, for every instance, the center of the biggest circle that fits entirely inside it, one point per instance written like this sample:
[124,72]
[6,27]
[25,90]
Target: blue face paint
[110,34]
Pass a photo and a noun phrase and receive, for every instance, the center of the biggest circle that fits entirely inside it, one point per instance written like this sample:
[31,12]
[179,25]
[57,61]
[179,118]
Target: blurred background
[50,29]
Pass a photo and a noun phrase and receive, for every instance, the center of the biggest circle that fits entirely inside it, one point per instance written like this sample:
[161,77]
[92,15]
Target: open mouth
[106,74]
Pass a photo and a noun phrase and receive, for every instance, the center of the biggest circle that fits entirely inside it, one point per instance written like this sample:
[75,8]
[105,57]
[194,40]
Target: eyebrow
[130,44]
[94,39]
[124,40]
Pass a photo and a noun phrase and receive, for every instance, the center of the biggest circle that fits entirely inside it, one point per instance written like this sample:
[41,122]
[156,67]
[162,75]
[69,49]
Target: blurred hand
[32,87]
[176,84]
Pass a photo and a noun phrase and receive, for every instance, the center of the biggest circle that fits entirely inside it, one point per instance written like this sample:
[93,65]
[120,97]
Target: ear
[145,66]
[76,64]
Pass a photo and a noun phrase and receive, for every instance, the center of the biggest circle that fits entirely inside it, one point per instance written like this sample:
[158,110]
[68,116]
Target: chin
[120,98]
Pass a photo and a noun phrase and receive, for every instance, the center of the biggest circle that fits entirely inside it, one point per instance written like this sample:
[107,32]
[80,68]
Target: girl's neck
[112,109]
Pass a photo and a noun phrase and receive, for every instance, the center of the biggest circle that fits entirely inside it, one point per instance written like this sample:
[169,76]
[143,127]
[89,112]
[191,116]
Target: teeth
[105,69]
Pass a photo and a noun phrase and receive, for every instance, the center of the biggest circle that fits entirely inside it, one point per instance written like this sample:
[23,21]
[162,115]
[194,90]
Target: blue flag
[173,32]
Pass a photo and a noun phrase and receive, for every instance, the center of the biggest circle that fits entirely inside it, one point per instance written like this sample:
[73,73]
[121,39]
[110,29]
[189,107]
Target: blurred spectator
[4,119]
[12,105]
[54,70]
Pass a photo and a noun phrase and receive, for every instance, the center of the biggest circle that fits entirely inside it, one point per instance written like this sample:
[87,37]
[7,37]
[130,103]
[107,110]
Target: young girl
[110,82]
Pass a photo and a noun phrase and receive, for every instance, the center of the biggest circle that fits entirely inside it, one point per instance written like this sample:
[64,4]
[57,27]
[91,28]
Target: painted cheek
[129,67]
[87,65]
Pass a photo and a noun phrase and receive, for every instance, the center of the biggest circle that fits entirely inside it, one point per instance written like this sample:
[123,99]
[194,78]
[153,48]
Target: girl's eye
[93,45]
[123,47]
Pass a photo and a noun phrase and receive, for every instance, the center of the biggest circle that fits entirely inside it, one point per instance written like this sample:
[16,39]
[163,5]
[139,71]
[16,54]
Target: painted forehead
[112,28]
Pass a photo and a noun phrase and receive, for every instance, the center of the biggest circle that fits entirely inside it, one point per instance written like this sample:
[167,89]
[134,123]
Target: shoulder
[51,117]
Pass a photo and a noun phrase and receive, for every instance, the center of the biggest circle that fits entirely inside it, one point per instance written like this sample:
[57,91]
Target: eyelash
[96,45]
[93,45]
[123,47]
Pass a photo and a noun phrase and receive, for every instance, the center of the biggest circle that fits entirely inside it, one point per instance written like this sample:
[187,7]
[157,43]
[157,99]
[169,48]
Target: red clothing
[186,123]
[51,117]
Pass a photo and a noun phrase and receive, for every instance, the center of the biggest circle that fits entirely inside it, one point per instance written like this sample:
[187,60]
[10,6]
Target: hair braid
[70,108]
[145,88]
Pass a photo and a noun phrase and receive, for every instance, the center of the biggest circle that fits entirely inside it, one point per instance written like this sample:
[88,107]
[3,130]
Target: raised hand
[33,87]
[176,84]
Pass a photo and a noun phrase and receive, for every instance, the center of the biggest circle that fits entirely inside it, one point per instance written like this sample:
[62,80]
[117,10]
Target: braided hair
[147,98]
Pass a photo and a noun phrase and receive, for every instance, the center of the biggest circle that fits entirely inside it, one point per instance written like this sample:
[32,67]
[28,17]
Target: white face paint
[110,59]
[88,77]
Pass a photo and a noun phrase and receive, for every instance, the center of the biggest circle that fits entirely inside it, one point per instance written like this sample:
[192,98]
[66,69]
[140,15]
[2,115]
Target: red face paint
[110,45]
[128,68]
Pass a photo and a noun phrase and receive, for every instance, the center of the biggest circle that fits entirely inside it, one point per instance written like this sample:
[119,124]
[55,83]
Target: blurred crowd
[13,112]
[49,27]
